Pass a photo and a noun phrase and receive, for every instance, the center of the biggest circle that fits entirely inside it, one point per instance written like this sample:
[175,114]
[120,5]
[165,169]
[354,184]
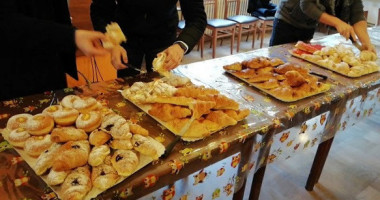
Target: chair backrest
[231,7]
[211,8]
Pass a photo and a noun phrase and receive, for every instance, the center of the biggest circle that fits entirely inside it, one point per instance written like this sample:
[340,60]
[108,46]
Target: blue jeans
[286,33]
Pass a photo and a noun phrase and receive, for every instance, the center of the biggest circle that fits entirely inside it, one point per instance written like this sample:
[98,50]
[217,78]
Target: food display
[190,111]
[339,58]
[81,148]
[286,82]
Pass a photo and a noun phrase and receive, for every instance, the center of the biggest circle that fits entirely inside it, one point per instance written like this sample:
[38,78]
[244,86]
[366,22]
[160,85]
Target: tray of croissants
[189,111]
[339,58]
[81,148]
[284,81]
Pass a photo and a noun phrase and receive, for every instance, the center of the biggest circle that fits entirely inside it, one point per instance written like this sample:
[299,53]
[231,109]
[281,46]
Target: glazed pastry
[85,104]
[51,110]
[120,130]
[237,115]
[71,155]
[246,73]
[77,184]
[35,145]
[201,128]
[65,134]
[104,111]
[40,124]
[176,81]
[294,78]
[121,144]
[56,178]
[104,176]
[46,159]
[18,121]
[68,101]
[98,137]
[125,162]
[221,102]
[137,129]
[145,146]
[367,56]
[89,121]
[167,112]
[221,118]
[98,154]
[17,137]
[271,83]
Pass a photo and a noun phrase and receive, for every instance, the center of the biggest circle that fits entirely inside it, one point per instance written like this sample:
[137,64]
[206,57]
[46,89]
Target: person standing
[39,45]
[297,19]
[150,27]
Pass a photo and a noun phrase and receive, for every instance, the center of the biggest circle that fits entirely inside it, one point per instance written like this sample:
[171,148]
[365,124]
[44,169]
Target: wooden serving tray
[331,69]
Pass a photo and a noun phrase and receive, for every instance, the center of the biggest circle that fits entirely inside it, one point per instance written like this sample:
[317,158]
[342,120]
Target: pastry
[40,124]
[125,144]
[204,107]
[65,134]
[18,121]
[98,154]
[195,92]
[98,137]
[158,64]
[110,120]
[17,137]
[284,93]
[275,62]
[89,121]
[234,66]
[35,145]
[201,128]
[221,118]
[77,184]
[114,35]
[167,112]
[104,176]
[46,159]
[176,81]
[125,162]
[51,110]
[176,124]
[270,84]
[282,69]
[294,78]
[85,104]
[181,101]
[261,78]
[264,71]
[256,63]
[237,115]
[65,116]
[68,101]
[56,178]
[246,73]
[137,129]
[221,102]
[342,67]
[71,155]
[367,56]
[145,146]
[120,130]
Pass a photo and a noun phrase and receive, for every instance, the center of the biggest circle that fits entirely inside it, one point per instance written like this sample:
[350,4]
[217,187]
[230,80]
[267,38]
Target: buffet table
[273,131]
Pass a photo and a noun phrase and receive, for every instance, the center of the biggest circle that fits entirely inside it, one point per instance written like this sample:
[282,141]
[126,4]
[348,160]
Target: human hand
[89,42]
[345,30]
[118,53]
[174,55]
[369,47]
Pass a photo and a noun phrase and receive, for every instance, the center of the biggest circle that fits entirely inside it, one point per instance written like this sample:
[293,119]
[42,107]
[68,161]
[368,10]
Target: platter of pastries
[340,59]
[284,81]
[81,148]
[190,111]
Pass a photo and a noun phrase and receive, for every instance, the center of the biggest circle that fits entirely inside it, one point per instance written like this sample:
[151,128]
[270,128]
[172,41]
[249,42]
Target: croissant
[195,92]
[294,78]
[137,129]
[222,102]
[237,66]
[71,155]
[167,112]
[221,118]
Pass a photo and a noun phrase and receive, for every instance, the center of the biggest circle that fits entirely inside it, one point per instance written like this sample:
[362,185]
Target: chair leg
[202,44]
[232,40]
[246,39]
[260,29]
[254,35]
[263,34]
[239,37]
[214,39]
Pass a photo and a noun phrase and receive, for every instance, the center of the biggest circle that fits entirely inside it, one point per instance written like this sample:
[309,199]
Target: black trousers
[136,49]
[286,33]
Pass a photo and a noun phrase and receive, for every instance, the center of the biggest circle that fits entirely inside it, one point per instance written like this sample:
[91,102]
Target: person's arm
[196,20]
[361,31]
[102,13]
[312,10]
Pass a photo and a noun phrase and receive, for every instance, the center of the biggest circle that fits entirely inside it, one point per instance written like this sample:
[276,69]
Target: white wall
[373,8]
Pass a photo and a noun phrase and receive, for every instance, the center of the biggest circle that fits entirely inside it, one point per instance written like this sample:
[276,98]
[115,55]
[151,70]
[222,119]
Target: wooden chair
[245,24]
[265,24]
[219,27]
[378,18]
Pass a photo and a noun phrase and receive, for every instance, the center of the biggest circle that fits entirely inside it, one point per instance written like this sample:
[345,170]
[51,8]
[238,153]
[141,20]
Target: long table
[273,131]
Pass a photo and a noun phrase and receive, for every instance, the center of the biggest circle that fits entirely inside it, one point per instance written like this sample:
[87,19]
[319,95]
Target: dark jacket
[38,46]
[154,22]
[306,13]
